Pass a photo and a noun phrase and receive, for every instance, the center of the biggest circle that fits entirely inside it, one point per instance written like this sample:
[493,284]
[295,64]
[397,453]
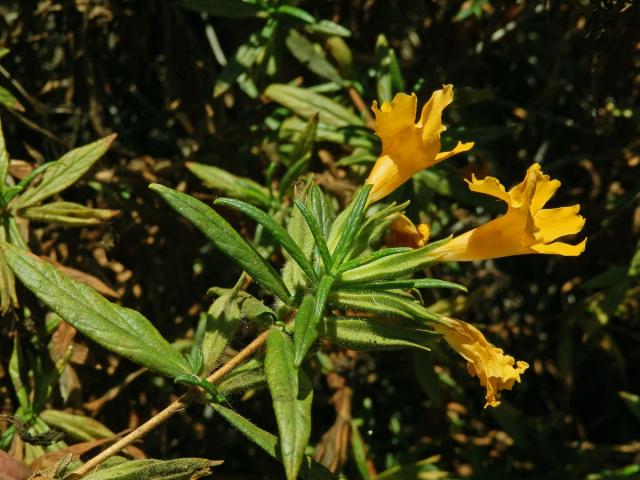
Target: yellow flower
[408,147]
[495,370]
[525,228]
[403,233]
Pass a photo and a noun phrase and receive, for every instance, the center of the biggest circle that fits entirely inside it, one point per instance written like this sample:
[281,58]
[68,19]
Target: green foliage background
[552,82]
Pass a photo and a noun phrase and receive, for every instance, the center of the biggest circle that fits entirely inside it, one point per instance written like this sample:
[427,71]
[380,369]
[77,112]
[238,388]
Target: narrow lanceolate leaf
[314,58]
[310,469]
[306,104]
[305,141]
[317,232]
[370,333]
[276,230]
[383,303]
[77,427]
[176,469]
[121,330]
[69,214]
[305,330]
[248,375]
[354,222]
[292,395]
[223,318]
[8,100]
[226,239]
[4,160]
[65,171]
[232,185]
[405,284]
[391,266]
[306,324]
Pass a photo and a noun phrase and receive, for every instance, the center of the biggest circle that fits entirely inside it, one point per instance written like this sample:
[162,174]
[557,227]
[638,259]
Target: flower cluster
[526,227]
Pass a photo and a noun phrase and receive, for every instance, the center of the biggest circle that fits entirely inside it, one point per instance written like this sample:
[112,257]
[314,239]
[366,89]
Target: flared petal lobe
[495,370]
[525,228]
[407,146]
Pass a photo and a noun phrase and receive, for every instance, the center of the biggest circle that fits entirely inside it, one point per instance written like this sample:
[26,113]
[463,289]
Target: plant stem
[180,404]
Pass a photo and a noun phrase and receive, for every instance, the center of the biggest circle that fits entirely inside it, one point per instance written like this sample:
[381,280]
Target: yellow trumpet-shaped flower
[408,147]
[525,228]
[495,370]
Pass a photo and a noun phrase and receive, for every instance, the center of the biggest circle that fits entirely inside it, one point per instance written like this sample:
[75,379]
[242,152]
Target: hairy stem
[169,411]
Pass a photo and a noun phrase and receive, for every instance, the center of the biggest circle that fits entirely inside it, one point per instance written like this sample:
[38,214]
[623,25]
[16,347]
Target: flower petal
[554,223]
[561,248]
[431,116]
[459,148]
[392,118]
[489,186]
[545,189]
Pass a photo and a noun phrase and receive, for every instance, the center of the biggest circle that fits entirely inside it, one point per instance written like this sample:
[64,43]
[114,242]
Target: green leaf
[293,276]
[176,469]
[241,188]
[15,373]
[306,323]
[327,27]
[69,214]
[352,225]
[317,233]
[392,266]
[405,284]
[224,8]
[223,319]
[353,136]
[121,330]
[387,304]
[374,227]
[321,210]
[371,333]
[305,141]
[296,13]
[65,172]
[383,252]
[276,230]
[359,449]
[307,104]
[248,375]
[77,427]
[243,60]
[300,156]
[310,56]
[226,239]
[310,469]
[4,160]
[8,100]
[8,296]
[292,395]
[388,72]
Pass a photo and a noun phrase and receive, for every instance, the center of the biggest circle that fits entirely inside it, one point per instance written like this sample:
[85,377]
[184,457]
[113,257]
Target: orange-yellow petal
[495,370]
[407,146]
[431,115]
[459,148]
[554,223]
[560,248]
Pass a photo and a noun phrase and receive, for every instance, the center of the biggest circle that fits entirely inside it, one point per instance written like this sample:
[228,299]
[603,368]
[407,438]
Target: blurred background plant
[239,98]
